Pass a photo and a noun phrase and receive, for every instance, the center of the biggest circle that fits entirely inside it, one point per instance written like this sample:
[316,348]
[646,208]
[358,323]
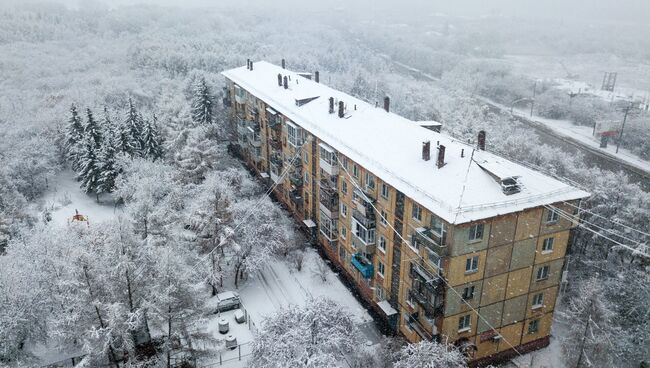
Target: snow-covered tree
[131,131]
[198,155]
[107,158]
[152,140]
[74,134]
[202,103]
[429,354]
[318,334]
[92,129]
[89,168]
[590,344]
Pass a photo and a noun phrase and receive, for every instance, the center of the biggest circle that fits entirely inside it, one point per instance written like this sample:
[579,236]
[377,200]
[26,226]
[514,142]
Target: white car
[227,300]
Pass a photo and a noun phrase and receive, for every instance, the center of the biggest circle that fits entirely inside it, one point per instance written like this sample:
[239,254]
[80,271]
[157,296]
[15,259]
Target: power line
[608,219]
[636,251]
[421,258]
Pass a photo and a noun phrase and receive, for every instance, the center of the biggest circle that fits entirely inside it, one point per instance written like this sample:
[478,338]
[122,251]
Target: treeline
[92,148]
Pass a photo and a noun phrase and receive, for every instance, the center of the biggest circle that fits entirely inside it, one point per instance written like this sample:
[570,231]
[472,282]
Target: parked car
[228,300]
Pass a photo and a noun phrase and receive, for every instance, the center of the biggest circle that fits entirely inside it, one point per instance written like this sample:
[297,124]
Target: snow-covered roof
[390,146]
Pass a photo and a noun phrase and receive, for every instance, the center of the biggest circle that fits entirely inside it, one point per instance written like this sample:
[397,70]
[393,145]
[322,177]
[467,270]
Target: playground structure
[77,217]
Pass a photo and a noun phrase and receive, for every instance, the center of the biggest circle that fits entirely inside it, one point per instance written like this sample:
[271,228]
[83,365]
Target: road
[594,156]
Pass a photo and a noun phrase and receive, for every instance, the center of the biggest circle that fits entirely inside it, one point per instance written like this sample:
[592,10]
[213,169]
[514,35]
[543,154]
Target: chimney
[248,63]
[387,104]
[280,80]
[441,156]
[331,105]
[481,140]
[251,65]
[286,82]
[462,152]
[284,64]
[317,76]
[341,109]
[426,150]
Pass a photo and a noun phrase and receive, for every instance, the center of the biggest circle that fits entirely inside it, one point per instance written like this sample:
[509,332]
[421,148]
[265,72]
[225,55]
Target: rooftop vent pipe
[248,64]
[426,150]
[317,76]
[279,79]
[481,140]
[286,82]
[341,109]
[387,104]
[284,64]
[251,65]
[331,105]
[441,156]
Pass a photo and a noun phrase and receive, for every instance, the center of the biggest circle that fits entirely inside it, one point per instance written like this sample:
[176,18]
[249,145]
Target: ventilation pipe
[341,109]
[426,150]
[286,82]
[251,65]
[481,140]
[331,105]
[317,76]
[248,64]
[441,156]
[462,152]
[387,104]
[284,64]
[279,79]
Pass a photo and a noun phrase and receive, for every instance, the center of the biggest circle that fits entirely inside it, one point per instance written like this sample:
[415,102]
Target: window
[434,258]
[468,293]
[542,273]
[344,210]
[380,293]
[342,254]
[305,158]
[380,268]
[533,326]
[471,264]
[547,246]
[409,298]
[439,229]
[416,212]
[382,244]
[365,235]
[464,323]
[370,181]
[306,178]
[552,216]
[344,160]
[292,134]
[344,232]
[344,186]
[538,300]
[355,171]
[385,191]
[476,232]
[383,218]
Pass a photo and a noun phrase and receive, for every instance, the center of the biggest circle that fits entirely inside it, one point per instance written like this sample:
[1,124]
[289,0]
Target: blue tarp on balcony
[366,268]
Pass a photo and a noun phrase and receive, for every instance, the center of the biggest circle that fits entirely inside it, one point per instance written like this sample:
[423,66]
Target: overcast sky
[597,10]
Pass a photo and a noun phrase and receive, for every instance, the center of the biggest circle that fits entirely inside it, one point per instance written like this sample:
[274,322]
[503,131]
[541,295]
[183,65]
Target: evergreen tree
[92,129]
[131,132]
[152,140]
[107,162]
[202,103]
[89,172]
[73,137]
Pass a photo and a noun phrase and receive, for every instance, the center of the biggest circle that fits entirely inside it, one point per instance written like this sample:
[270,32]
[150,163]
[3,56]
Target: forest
[126,101]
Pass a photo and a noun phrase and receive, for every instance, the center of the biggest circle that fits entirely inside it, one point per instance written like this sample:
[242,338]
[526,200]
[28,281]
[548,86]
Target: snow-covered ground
[65,197]
[278,285]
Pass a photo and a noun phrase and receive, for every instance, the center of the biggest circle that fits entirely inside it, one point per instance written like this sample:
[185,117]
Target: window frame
[344,210]
[344,232]
[385,191]
[382,244]
[344,186]
[355,171]
[533,326]
[383,218]
[552,217]
[381,269]
[369,178]
[465,323]
[474,234]
[416,210]
[544,272]
[470,261]
[548,244]
[536,304]
[468,292]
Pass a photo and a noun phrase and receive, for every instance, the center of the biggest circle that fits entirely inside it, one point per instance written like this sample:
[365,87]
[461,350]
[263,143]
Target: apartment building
[443,239]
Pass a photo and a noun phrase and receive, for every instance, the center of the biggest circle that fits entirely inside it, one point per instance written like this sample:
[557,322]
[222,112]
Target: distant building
[481,233]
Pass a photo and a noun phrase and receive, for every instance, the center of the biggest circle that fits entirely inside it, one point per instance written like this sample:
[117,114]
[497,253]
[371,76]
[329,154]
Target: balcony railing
[362,246]
[329,203]
[362,264]
[419,328]
[365,218]
[296,197]
[431,240]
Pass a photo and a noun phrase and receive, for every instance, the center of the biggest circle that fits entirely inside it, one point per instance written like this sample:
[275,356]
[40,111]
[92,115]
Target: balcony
[296,179]
[328,227]
[419,273]
[329,203]
[363,246]
[415,324]
[254,136]
[362,264]
[364,217]
[296,197]
[275,143]
[431,240]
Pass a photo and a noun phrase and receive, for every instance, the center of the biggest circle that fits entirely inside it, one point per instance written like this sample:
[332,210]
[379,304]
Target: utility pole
[532,102]
[620,135]
[584,335]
